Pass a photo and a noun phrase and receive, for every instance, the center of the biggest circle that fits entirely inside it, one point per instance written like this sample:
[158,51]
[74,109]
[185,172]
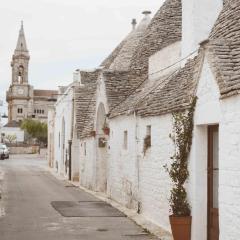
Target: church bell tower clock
[20,93]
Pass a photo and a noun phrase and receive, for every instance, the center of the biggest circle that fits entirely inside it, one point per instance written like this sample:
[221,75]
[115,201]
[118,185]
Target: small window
[20,110]
[147,140]
[42,111]
[35,111]
[125,140]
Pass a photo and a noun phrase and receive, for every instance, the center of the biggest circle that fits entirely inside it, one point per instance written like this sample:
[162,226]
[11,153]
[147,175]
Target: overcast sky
[63,35]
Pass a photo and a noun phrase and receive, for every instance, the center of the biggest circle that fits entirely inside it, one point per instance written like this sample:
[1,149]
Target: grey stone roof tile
[173,92]
[85,101]
[223,48]
[164,30]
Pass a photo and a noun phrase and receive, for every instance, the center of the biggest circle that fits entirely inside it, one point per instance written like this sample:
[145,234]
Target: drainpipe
[137,163]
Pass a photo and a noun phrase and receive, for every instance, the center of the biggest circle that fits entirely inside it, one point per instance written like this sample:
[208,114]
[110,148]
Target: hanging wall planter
[106,130]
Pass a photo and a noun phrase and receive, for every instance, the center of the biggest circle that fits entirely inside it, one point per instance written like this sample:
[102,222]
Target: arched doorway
[102,150]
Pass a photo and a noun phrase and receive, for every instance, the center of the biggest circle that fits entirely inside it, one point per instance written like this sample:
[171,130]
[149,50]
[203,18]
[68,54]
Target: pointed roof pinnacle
[21,43]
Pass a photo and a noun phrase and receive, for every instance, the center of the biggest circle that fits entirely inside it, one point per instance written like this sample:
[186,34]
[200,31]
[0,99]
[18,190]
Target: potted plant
[106,129]
[146,143]
[180,218]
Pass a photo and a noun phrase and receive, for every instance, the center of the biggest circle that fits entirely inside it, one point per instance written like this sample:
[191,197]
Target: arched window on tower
[20,74]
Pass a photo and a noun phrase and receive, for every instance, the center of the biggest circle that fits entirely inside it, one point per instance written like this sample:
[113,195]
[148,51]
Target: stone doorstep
[131,214]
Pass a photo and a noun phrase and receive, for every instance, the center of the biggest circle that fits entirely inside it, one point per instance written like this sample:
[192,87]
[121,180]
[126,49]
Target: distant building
[23,100]
[12,129]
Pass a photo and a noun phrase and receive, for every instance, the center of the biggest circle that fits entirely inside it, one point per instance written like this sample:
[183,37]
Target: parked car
[1,153]
[4,151]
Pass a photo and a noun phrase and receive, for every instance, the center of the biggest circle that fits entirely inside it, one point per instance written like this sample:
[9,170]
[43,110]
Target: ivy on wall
[178,171]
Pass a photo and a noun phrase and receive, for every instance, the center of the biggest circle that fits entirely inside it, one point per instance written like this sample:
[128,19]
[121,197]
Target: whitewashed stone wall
[122,162]
[63,111]
[210,110]
[168,56]
[87,166]
[154,181]
[138,177]
[207,112]
[229,191]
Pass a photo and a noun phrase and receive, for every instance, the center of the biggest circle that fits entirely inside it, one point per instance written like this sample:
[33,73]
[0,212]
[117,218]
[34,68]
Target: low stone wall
[24,149]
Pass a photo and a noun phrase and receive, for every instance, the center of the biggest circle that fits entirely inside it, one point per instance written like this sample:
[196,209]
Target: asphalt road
[29,194]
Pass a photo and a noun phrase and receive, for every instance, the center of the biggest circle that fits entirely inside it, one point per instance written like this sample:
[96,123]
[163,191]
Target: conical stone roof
[120,59]
[21,43]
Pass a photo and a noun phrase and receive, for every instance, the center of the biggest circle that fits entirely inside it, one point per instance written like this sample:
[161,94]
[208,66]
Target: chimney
[198,18]
[146,13]
[77,76]
[134,23]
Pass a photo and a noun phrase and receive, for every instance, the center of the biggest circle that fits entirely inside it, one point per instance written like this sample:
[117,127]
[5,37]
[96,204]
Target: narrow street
[40,207]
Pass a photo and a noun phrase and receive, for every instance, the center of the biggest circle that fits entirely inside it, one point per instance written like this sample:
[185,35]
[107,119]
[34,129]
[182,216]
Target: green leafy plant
[178,171]
[35,129]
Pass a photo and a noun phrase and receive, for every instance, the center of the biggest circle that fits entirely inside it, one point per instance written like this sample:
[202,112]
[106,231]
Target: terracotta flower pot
[181,227]
[106,130]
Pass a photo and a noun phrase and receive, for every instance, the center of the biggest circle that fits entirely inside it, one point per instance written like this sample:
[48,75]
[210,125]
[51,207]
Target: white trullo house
[190,49]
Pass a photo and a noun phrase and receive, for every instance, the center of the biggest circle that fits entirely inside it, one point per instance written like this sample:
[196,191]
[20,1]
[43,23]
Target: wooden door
[213,182]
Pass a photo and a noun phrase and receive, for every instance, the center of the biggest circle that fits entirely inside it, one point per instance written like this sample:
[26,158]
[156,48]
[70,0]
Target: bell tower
[20,93]
[20,60]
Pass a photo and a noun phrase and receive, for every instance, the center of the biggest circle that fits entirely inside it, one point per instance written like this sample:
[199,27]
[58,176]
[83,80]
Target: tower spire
[21,43]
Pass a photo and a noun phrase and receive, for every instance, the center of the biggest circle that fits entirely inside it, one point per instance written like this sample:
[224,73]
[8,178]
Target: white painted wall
[63,110]
[168,56]
[197,21]
[210,110]
[137,177]
[154,180]
[229,191]
[87,167]
[14,131]
[207,112]
[122,181]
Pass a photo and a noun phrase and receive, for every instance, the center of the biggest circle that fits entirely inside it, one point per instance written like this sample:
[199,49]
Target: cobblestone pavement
[28,195]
